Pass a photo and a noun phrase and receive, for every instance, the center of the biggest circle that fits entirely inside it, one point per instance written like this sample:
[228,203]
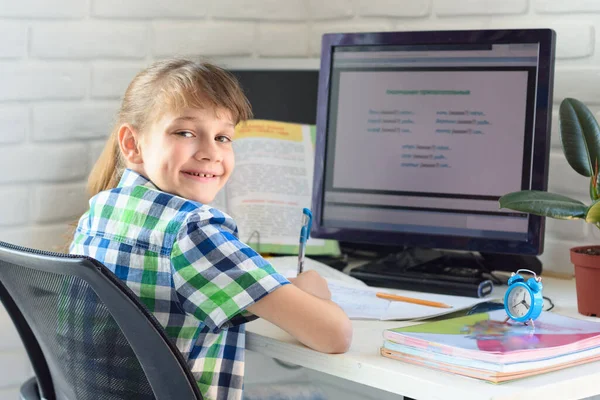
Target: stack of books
[484,346]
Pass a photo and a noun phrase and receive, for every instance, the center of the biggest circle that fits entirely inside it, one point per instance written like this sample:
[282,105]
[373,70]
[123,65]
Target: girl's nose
[208,151]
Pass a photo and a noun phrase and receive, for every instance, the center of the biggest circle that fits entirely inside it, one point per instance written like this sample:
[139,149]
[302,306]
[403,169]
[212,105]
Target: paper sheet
[359,301]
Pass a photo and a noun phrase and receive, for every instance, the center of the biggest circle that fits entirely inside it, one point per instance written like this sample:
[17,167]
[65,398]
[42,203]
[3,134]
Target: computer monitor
[420,133]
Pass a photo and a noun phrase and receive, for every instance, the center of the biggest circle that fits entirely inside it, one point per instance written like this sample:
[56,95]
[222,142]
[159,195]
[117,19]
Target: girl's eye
[223,139]
[186,134]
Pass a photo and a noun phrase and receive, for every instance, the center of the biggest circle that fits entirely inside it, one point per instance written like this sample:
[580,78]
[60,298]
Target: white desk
[363,364]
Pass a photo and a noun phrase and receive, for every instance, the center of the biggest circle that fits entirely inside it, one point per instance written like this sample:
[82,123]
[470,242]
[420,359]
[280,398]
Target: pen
[395,297]
[304,234]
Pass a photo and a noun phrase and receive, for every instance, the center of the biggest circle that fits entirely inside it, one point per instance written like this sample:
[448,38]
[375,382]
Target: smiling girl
[149,222]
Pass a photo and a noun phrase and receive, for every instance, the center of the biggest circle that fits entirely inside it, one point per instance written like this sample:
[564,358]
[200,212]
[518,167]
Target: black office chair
[86,333]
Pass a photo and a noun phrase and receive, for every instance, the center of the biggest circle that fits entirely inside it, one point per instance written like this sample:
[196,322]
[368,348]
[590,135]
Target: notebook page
[358,302]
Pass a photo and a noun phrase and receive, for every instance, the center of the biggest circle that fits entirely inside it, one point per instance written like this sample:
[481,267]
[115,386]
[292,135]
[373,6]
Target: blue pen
[304,234]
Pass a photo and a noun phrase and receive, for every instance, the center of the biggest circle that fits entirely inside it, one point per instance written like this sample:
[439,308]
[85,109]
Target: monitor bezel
[546,38]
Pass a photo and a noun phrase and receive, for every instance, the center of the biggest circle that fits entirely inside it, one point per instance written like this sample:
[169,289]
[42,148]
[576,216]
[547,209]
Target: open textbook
[359,301]
[270,185]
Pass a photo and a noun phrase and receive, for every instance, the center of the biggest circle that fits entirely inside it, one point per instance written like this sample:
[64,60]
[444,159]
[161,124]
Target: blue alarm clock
[523,301]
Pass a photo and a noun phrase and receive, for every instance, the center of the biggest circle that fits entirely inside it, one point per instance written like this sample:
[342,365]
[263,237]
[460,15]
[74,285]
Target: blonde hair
[167,85]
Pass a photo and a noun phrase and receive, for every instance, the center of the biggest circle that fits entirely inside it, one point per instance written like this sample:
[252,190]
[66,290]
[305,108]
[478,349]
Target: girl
[167,157]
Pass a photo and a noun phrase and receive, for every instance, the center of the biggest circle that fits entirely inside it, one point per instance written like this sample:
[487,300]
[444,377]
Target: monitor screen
[420,133]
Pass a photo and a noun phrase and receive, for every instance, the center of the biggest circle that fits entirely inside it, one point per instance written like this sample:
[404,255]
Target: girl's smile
[204,177]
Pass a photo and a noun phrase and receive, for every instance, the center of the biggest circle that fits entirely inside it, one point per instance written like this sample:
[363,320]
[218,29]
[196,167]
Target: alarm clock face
[519,302]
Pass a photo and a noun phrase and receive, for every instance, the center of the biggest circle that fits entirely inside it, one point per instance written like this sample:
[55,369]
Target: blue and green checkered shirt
[184,261]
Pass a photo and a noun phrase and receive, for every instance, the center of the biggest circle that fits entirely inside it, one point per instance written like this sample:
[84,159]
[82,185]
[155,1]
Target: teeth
[201,175]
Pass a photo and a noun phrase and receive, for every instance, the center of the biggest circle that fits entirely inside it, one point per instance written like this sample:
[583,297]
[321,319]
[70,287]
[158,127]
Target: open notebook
[359,301]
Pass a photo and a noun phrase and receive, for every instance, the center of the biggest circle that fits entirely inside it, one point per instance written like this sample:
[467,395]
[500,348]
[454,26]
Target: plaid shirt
[185,263]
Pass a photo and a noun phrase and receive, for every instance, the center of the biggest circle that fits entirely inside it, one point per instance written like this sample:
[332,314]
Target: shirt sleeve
[216,276]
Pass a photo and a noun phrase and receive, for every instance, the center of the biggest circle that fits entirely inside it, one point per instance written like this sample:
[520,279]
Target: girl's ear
[129,144]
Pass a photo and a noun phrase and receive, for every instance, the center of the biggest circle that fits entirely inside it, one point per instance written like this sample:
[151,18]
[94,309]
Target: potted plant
[580,136]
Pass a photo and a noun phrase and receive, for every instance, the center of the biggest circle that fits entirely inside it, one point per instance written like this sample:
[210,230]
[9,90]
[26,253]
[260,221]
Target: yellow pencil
[395,297]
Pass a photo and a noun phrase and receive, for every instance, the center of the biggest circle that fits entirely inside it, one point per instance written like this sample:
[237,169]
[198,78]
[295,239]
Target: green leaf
[580,136]
[593,213]
[545,204]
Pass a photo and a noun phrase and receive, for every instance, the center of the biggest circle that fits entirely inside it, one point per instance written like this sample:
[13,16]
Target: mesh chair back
[97,340]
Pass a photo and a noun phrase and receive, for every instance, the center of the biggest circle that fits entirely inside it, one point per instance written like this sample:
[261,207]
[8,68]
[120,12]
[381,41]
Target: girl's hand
[304,310]
[313,283]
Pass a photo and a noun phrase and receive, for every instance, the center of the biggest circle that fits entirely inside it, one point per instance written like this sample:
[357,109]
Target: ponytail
[108,169]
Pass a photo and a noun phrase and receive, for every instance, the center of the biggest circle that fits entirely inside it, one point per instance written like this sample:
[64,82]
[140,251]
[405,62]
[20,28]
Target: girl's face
[189,154]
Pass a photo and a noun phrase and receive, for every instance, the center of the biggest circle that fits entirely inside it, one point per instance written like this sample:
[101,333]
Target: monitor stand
[444,272]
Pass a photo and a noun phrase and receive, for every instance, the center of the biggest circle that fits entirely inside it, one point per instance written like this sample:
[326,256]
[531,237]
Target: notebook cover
[487,337]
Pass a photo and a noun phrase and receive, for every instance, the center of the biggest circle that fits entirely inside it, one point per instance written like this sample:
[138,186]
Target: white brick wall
[282,40]
[445,8]
[333,9]
[38,163]
[148,9]
[89,40]
[64,121]
[14,123]
[65,63]
[210,38]
[109,80]
[13,360]
[58,202]
[389,8]
[14,40]
[271,10]
[563,7]
[14,205]
[33,80]
[36,9]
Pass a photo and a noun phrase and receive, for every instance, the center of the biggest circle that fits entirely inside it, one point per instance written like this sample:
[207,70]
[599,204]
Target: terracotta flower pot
[587,279]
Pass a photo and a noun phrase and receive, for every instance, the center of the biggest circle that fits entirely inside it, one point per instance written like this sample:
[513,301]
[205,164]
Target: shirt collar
[132,178]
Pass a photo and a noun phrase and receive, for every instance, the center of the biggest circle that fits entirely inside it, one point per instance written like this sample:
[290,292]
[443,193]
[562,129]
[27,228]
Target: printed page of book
[271,184]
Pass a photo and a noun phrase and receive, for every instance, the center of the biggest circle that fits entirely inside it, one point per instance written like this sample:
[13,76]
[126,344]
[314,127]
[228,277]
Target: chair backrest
[87,334]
